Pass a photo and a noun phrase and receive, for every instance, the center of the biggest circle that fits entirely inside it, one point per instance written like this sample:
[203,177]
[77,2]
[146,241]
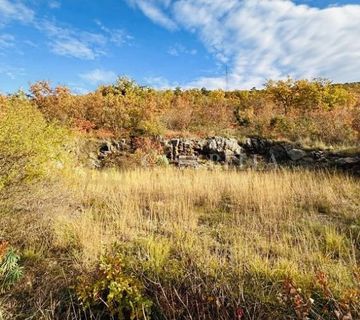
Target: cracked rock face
[223,145]
[214,148]
[257,145]
[230,151]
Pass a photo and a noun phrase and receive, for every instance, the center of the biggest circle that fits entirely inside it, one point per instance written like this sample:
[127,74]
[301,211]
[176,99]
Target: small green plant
[10,270]
[110,290]
[162,161]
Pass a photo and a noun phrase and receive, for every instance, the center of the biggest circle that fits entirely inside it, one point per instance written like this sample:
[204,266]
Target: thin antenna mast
[227,78]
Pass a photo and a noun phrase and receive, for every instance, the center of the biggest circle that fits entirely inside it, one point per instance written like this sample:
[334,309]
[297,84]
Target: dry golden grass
[205,244]
[231,235]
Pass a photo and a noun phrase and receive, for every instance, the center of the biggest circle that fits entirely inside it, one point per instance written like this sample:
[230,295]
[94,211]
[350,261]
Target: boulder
[177,147]
[188,162]
[278,153]
[233,146]
[257,145]
[114,146]
[318,155]
[222,149]
[348,161]
[220,144]
[296,154]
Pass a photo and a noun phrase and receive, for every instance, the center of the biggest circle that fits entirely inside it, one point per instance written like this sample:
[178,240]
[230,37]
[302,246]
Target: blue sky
[169,43]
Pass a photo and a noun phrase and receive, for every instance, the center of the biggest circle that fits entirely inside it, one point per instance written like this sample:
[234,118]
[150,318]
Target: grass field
[195,244]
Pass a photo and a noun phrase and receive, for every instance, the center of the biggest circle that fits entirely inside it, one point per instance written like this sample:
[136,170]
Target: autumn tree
[306,95]
[282,92]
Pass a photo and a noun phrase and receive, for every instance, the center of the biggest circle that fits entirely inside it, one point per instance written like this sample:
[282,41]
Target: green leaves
[113,290]
[10,271]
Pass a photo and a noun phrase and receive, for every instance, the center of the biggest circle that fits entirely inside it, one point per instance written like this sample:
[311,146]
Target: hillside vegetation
[163,243]
[300,110]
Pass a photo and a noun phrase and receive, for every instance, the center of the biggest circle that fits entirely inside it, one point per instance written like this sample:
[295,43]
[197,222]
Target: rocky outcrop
[252,152]
[291,154]
[217,149]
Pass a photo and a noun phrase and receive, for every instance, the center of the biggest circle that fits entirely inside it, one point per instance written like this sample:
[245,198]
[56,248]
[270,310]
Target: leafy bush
[114,291]
[30,147]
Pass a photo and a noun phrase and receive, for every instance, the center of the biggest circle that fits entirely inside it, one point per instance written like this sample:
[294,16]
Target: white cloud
[98,76]
[62,40]
[179,49]
[160,83]
[154,10]
[208,82]
[6,41]
[70,42]
[54,4]
[118,37]
[31,43]
[78,88]
[12,72]
[15,11]
[72,48]
[262,39]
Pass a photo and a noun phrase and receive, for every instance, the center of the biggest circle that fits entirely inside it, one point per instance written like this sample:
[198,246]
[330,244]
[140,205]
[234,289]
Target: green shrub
[111,291]
[162,161]
[30,147]
[281,123]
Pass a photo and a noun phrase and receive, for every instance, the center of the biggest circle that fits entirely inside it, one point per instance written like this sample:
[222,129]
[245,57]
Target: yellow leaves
[29,147]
